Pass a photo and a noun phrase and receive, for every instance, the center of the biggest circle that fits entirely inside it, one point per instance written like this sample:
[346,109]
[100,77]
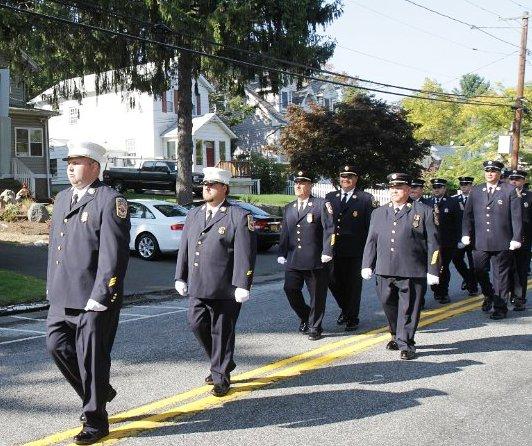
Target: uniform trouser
[213,322]
[520,275]
[401,299]
[467,272]
[346,285]
[316,281]
[80,343]
[501,266]
[442,289]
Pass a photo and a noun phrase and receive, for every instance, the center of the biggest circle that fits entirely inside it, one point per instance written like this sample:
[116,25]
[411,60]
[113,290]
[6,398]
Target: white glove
[325,258]
[460,245]
[281,260]
[181,287]
[92,305]
[466,240]
[432,279]
[514,245]
[241,295]
[366,273]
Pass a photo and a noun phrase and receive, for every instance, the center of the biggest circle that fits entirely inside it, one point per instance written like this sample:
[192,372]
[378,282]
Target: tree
[364,131]
[472,85]
[285,29]
[233,109]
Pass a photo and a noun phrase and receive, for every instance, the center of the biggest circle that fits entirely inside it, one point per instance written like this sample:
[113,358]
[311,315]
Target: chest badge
[446,210]
[309,218]
[499,201]
[525,205]
[415,223]
[84,217]
[221,230]
[355,214]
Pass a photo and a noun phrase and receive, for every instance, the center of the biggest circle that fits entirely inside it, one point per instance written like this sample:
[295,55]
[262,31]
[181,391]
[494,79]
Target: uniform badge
[223,209]
[355,214]
[329,207]
[415,223]
[251,223]
[525,205]
[408,205]
[499,201]
[121,207]
[446,210]
[84,216]
[309,218]
[221,230]
[309,203]
[91,191]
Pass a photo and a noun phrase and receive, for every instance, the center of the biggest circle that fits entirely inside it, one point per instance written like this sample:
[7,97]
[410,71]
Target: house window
[171,150]
[198,104]
[170,101]
[28,142]
[284,99]
[73,115]
[221,149]
[199,153]
[130,145]
[53,167]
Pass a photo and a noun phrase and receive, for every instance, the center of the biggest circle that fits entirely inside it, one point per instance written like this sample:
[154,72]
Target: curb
[151,296]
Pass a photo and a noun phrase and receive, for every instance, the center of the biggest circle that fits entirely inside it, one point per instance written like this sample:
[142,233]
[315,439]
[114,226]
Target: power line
[483,66]
[266,56]
[518,4]
[231,60]
[430,33]
[474,27]
[483,9]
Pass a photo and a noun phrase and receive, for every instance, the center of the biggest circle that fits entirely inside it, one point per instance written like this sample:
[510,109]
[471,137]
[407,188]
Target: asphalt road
[470,385]
[142,276]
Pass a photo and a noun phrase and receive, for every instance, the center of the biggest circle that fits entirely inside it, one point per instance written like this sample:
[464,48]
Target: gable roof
[198,123]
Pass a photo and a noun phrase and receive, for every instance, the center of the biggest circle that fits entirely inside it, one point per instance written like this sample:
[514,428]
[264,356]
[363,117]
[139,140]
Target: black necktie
[490,192]
[209,216]
[343,203]
[396,210]
[300,208]
[74,200]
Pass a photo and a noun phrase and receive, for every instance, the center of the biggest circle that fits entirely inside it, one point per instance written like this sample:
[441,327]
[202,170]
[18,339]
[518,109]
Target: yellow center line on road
[248,381]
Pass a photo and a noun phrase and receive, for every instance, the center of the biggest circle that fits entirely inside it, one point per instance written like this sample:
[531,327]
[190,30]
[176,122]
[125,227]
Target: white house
[137,124]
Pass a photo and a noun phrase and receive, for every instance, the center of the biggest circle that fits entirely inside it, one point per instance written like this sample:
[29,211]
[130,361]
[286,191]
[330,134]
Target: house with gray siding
[23,136]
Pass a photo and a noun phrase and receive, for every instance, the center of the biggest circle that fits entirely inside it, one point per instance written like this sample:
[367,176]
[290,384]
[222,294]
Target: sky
[404,44]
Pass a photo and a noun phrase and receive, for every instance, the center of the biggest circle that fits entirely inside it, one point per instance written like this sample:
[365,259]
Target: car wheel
[147,247]
[119,186]
[261,247]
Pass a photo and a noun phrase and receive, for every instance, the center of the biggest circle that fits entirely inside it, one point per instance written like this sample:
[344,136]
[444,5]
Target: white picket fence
[324,187]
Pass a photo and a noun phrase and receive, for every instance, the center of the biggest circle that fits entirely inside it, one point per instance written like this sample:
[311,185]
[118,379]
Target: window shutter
[175,101]
[163,99]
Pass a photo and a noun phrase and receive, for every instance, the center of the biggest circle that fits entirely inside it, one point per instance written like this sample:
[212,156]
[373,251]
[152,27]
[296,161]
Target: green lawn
[18,288]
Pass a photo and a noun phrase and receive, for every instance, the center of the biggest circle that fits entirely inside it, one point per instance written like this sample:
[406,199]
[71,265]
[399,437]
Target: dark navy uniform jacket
[403,244]
[492,223]
[351,224]
[526,210]
[304,239]
[89,248]
[217,258]
[448,217]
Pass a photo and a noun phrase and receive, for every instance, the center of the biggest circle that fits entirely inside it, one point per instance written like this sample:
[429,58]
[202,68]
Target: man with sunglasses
[492,224]
[447,217]
[215,268]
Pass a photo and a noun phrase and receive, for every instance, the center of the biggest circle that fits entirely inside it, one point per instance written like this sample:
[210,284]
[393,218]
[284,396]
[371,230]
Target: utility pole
[516,127]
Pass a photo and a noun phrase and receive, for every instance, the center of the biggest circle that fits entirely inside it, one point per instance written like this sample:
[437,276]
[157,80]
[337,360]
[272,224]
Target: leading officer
[352,209]
[87,261]
[305,248]
[215,267]
[402,250]
[492,223]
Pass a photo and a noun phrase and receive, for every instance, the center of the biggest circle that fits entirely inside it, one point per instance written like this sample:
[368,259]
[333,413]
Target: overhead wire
[267,56]
[232,60]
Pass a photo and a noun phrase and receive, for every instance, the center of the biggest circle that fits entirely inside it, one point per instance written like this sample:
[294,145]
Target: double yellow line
[158,413]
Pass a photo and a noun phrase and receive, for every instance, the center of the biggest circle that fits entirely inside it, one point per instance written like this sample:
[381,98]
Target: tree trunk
[183,185]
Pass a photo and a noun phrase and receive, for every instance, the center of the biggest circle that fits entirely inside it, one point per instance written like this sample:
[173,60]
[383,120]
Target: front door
[209,151]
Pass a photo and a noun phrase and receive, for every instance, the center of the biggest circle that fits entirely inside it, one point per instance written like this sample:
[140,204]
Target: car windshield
[251,208]
[171,210]
[172,166]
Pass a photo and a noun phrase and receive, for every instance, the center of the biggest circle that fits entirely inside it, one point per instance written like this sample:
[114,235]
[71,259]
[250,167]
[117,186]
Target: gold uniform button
[57,262]
[59,248]
[62,234]
[395,223]
[487,222]
[391,249]
[299,232]
[298,239]
[299,246]
[488,208]
[393,241]
[197,253]
[199,243]
[298,226]
[393,231]
[488,230]
[195,264]
[487,215]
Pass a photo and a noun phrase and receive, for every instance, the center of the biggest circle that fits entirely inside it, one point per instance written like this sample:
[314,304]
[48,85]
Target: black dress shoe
[392,345]
[303,327]
[464,285]
[473,291]
[341,319]
[486,305]
[519,306]
[351,325]
[498,315]
[210,382]
[220,389]
[85,437]
[111,393]
[407,355]
[444,300]
[315,335]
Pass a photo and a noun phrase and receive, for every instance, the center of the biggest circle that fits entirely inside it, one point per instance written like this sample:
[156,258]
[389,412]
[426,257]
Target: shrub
[272,175]
[10,213]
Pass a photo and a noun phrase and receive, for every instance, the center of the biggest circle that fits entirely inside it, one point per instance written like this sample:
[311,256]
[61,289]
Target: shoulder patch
[375,203]
[121,207]
[251,223]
